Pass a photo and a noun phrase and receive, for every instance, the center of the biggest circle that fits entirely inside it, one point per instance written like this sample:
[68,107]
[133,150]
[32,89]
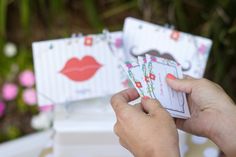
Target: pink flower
[202,49]
[9,91]
[27,78]
[46,108]
[118,42]
[2,108]
[154,59]
[129,65]
[29,96]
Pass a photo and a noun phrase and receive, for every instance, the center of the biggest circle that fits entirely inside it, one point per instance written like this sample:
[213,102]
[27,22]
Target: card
[78,68]
[190,51]
[175,102]
[145,75]
[149,78]
[136,77]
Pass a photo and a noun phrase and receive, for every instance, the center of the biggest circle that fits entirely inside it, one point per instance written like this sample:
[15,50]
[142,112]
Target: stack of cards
[148,76]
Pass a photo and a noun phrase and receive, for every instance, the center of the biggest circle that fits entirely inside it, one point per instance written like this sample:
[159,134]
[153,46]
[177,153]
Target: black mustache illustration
[163,55]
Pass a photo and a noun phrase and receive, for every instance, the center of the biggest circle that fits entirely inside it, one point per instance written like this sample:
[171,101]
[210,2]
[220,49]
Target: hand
[213,113]
[146,129]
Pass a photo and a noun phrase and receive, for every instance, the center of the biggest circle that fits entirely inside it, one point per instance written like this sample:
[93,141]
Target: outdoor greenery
[25,21]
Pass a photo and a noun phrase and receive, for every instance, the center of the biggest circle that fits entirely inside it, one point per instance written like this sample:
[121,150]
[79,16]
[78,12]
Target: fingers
[123,143]
[183,85]
[116,129]
[138,107]
[150,105]
[180,123]
[120,100]
[118,132]
[188,77]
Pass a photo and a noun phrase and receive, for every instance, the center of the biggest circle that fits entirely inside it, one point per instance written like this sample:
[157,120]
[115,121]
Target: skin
[147,129]
[136,124]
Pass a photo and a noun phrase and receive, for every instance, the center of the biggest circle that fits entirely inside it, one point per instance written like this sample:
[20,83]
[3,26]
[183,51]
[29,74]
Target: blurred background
[25,21]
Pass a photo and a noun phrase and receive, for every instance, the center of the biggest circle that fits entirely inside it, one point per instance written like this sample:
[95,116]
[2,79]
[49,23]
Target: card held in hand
[148,76]
[136,77]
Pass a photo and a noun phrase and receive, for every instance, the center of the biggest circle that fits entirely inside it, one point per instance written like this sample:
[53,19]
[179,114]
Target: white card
[190,51]
[175,102]
[78,68]
[156,87]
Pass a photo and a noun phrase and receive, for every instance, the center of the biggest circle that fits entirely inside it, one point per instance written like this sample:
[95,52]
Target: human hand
[213,113]
[146,130]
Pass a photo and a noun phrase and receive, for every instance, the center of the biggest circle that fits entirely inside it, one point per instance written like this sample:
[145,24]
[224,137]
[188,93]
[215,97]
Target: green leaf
[3,10]
[232,30]
[92,14]
[25,14]
[56,6]
[119,9]
[13,132]
[180,15]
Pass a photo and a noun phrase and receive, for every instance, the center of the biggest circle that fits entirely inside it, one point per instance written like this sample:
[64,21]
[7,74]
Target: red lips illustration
[81,70]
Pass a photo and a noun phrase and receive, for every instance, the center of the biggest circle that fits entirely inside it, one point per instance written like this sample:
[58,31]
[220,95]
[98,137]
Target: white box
[27,146]
[85,129]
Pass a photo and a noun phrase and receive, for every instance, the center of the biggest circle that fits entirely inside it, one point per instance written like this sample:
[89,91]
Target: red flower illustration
[175,35]
[88,41]
[152,76]
[146,78]
[138,84]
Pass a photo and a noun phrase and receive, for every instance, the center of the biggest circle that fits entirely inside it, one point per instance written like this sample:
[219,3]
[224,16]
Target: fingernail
[170,76]
[146,97]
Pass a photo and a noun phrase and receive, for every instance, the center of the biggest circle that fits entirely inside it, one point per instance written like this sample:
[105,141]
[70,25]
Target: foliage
[25,21]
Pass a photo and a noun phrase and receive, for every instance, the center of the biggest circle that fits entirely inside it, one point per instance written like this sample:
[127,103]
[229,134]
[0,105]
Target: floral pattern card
[136,77]
[174,102]
[148,76]
[145,75]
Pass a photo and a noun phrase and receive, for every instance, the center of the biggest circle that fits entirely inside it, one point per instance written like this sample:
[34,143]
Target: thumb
[150,105]
[183,85]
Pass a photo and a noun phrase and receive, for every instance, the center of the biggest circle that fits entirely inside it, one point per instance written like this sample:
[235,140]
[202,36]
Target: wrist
[224,134]
[166,151]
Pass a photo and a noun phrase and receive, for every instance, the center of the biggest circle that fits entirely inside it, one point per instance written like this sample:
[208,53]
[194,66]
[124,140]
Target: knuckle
[115,103]
[159,111]
[113,99]
[122,143]
[156,112]
[163,114]
[116,129]
[156,103]
[122,114]
[119,109]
